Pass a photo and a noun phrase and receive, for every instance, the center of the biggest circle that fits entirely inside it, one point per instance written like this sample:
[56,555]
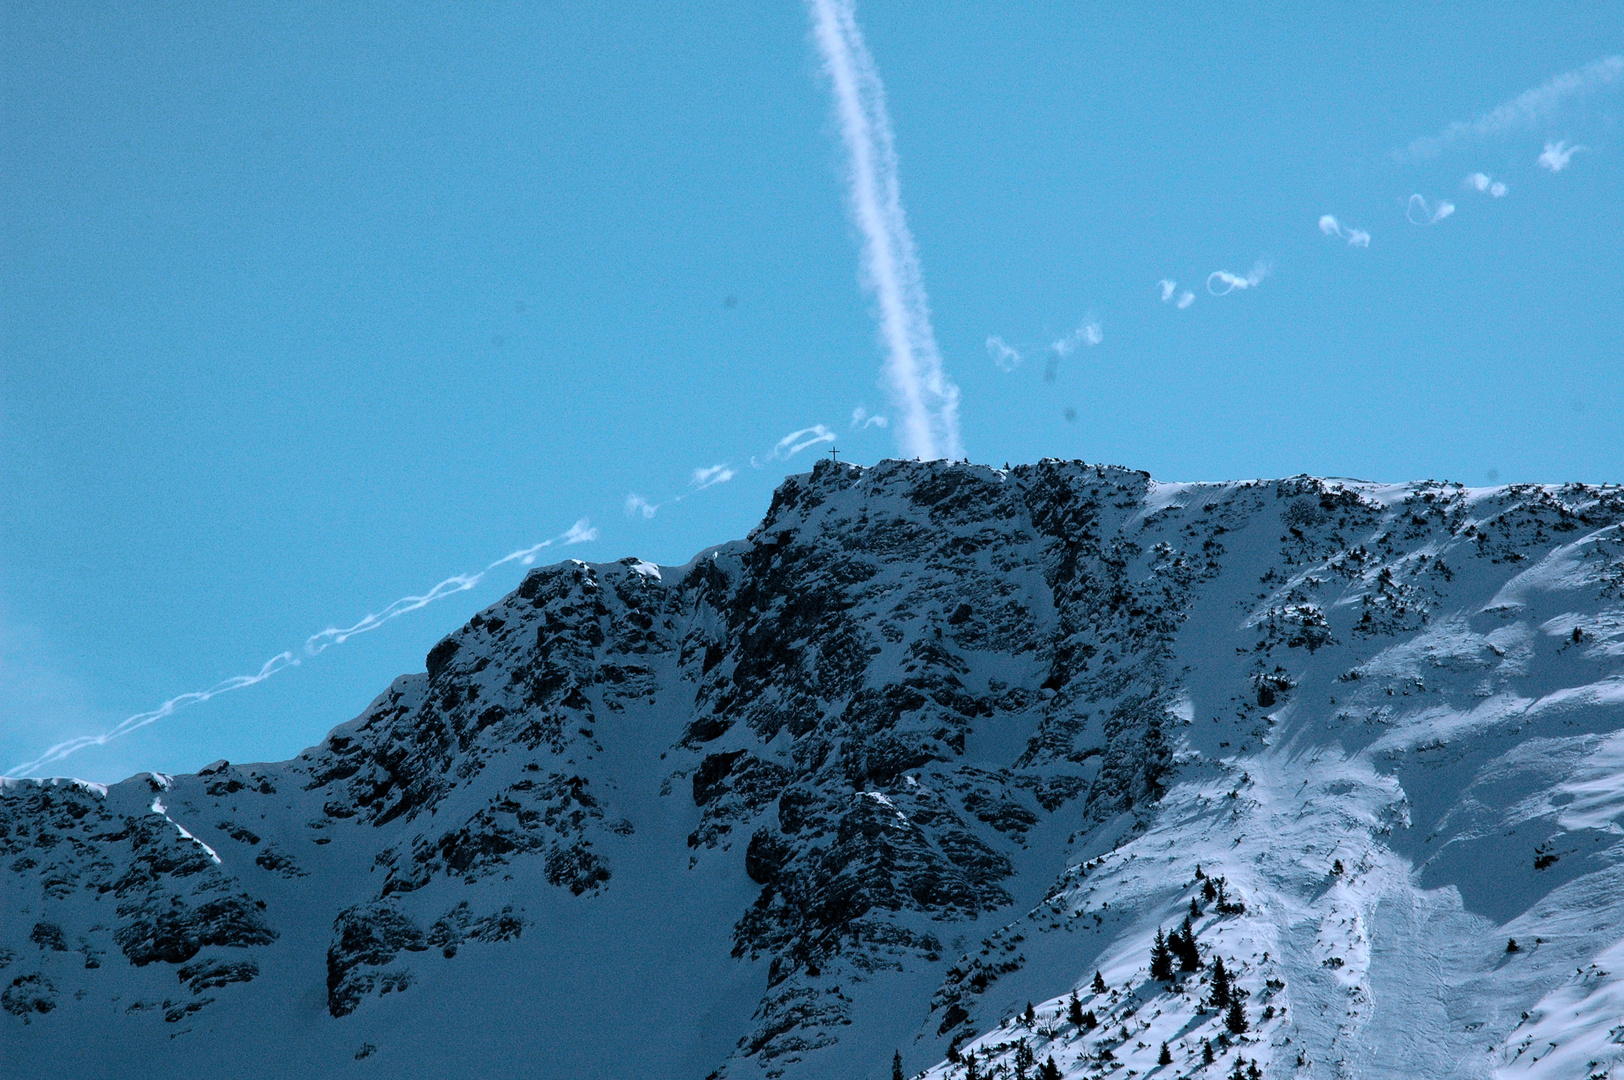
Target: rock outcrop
[934,741]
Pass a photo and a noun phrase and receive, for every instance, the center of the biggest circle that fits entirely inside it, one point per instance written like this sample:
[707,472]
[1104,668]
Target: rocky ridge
[936,740]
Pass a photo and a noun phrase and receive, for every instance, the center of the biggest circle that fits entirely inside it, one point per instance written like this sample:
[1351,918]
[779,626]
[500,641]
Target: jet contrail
[314,645]
[926,399]
[1526,109]
[141,720]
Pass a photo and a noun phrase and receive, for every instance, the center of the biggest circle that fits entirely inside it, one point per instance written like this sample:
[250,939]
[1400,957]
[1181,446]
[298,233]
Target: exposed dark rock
[367,936]
[908,684]
[212,973]
[176,931]
[29,994]
[48,935]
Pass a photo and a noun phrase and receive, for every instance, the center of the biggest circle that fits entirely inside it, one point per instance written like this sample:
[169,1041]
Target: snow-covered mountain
[934,743]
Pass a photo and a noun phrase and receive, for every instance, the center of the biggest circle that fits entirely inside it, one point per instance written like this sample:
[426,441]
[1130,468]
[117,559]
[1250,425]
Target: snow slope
[935,742]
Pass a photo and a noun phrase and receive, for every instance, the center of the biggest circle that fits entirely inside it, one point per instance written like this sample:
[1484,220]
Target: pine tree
[1165,1057]
[896,1066]
[1183,945]
[1195,909]
[1024,1060]
[1099,983]
[1090,1021]
[1074,1012]
[973,1071]
[1161,960]
[1240,1069]
[1198,874]
[1030,1015]
[1253,1072]
[1209,891]
[1512,946]
[1220,983]
[1206,1052]
[1235,1021]
[1049,1071]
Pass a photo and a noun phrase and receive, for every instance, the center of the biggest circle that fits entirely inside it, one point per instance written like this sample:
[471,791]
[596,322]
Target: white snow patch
[1576,1030]
[158,808]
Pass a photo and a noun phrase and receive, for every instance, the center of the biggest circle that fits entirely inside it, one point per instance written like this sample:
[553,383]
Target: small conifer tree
[1207,1057]
[1165,1057]
[1090,1021]
[1024,1060]
[972,1071]
[1049,1070]
[1220,983]
[1195,909]
[1240,1069]
[1235,1020]
[1183,946]
[1099,983]
[1030,1015]
[1253,1072]
[896,1066]
[1161,960]
[1511,945]
[1074,1011]
[1198,874]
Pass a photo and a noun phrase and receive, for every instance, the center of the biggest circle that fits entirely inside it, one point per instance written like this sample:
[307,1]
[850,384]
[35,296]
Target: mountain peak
[934,741]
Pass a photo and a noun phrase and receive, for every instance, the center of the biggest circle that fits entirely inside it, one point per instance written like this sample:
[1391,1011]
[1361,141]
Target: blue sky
[305,309]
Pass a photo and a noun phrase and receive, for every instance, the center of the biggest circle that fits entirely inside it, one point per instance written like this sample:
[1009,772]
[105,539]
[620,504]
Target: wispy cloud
[1004,355]
[316,644]
[1234,282]
[524,556]
[1169,287]
[1330,226]
[636,505]
[578,533]
[1421,212]
[582,532]
[1091,333]
[796,441]
[140,720]
[862,419]
[1557,155]
[927,400]
[716,474]
[1526,109]
[1484,182]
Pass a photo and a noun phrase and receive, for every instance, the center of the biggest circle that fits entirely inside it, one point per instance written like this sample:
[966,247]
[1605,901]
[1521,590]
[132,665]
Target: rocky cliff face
[933,742]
